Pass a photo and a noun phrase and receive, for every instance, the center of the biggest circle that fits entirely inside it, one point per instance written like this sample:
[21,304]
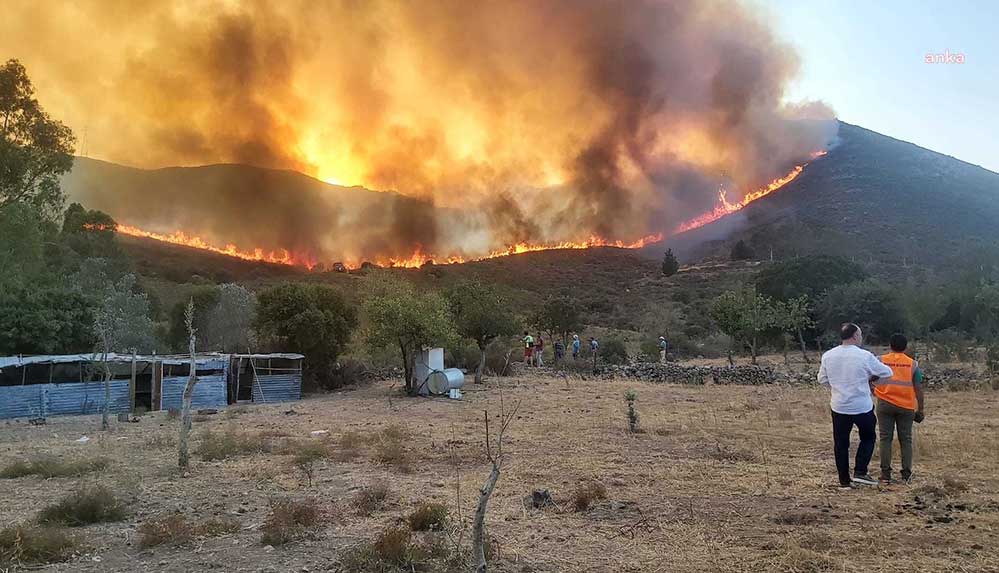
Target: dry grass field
[719,478]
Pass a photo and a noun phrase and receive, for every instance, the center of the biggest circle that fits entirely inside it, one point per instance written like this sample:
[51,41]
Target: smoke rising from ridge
[521,120]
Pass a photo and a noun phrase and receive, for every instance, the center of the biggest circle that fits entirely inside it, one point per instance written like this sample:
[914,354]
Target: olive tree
[399,316]
[482,314]
[745,316]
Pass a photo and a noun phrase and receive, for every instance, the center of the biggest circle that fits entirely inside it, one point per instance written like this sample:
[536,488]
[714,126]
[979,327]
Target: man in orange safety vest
[900,403]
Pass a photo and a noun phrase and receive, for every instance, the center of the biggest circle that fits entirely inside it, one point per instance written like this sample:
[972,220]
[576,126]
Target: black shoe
[885,479]
[907,478]
[864,479]
[846,487]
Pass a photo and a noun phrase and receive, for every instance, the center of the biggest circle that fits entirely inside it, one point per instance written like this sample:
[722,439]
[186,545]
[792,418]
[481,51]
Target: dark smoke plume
[504,122]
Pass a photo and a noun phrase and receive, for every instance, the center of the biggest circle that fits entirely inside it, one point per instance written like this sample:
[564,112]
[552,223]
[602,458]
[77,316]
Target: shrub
[219,446]
[349,446]
[390,447]
[430,516]
[392,550]
[629,397]
[175,529]
[172,529]
[614,351]
[289,520]
[96,504]
[992,357]
[371,498]
[21,544]
[48,467]
[586,494]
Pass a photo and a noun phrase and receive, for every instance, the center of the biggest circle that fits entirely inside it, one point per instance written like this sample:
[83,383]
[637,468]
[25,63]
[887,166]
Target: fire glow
[420,257]
[725,207]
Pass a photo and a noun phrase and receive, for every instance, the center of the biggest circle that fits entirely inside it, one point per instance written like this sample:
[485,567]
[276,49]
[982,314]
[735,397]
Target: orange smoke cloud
[520,122]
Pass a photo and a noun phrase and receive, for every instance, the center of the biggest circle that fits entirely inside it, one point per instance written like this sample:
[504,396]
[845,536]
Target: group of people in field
[855,378]
[534,349]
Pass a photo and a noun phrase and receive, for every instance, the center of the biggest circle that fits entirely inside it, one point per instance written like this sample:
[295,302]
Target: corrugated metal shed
[209,392]
[277,388]
[39,400]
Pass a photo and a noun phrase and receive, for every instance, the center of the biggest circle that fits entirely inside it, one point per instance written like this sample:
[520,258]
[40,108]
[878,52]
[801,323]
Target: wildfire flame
[725,207]
[420,258]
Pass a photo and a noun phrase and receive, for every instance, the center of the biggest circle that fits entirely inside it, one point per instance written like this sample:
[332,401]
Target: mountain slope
[871,197]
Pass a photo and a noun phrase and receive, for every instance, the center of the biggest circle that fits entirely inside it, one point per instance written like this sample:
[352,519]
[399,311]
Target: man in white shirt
[850,371]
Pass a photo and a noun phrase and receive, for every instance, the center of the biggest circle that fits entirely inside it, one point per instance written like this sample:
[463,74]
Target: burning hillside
[512,125]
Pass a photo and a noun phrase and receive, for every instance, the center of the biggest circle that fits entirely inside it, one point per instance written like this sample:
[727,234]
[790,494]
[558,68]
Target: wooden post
[131,387]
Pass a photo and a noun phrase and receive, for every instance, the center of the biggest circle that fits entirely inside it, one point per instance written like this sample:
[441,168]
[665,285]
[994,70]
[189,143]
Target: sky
[867,60]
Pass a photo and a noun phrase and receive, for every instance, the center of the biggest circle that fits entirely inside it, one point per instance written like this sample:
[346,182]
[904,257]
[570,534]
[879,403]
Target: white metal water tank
[441,381]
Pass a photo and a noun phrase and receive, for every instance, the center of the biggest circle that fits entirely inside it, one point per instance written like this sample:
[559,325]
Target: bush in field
[175,529]
[586,494]
[629,397]
[95,504]
[430,516]
[614,351]
[35,545]
[49,467]
[312,319]
[371,498]
[289,520]
[219,446]
[742,252]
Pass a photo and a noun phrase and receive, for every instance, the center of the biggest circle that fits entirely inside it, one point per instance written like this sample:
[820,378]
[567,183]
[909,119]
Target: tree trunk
[787,361]
[731,360]
[185,413]
[479,524]
[482,364]
[752,351]
[409,368]
[106,410]
[804,353]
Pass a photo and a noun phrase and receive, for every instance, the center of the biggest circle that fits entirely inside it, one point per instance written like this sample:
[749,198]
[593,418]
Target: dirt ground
[721,478]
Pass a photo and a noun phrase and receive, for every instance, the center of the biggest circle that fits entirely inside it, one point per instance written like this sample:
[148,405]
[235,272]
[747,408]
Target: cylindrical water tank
[440,381]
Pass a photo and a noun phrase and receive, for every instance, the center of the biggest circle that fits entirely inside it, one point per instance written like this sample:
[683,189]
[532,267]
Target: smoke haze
[505,122]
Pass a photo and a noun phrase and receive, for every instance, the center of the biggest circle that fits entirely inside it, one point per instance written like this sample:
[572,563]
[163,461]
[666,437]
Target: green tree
[614,351]
[558,316]
[742,252]
[924,306]
[670,264]
[205,299]
[400,317]
[34,148]
[794,317]
[870,304]
[121,324]
[811,276]
[745,316]
[22,244]
[90,234]
[482,314]
[45,320]
[230,321]
[987,315]
[312,319]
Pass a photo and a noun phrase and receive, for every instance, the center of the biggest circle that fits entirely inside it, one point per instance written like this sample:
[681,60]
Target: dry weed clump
[49,467]
[431,516]
[94,504]
[289,520]
[348,446]
[219,446]
[390,447]
[162,442]
[797,517]
[796,559]
[175,529]
[586,494]
[371,499]
[173,414]
[392,550]
[35,545]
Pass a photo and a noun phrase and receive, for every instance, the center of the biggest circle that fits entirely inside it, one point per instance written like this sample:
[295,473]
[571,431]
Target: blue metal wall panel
[277,388]
[209,392]
[87,397]
[21,401]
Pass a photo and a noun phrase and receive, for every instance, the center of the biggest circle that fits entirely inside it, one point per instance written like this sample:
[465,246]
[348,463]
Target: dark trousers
[842,427]
[891,417]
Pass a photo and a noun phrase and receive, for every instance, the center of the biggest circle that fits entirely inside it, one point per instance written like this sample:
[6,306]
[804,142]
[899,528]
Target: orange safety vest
[899,390]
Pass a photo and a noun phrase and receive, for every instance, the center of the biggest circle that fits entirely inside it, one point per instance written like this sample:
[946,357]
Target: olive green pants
[890,418]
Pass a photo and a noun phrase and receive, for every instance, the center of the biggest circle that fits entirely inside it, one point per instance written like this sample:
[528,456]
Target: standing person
[850,372]
[528,341]
[594,346]
[539,349]
[559,347]
[663,349]
[900,403]
[575,346]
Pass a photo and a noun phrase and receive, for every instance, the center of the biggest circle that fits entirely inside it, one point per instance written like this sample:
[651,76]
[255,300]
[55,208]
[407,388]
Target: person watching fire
[900,403]
[851,372]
